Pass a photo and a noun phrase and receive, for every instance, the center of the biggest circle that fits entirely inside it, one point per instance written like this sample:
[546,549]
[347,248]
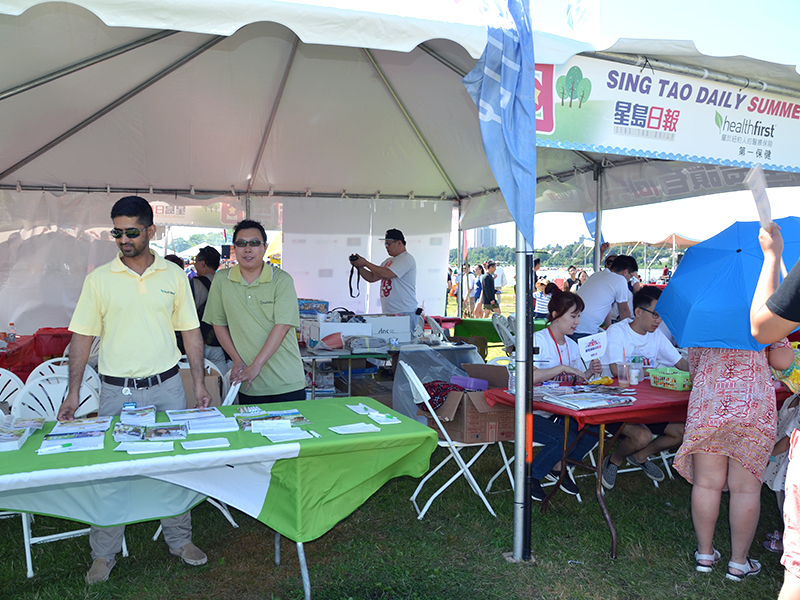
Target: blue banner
[502,85]
[591,225]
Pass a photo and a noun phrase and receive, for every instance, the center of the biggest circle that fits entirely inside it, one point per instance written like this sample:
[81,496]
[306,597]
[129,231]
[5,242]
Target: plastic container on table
[670,379]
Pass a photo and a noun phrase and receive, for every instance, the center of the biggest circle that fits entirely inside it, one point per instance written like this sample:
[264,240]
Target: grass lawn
[383,552]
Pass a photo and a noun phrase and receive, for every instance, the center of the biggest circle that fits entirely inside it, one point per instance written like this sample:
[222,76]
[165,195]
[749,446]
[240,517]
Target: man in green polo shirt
[253,308]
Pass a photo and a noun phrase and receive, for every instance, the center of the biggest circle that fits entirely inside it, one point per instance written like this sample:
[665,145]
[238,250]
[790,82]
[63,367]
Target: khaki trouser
[106,542]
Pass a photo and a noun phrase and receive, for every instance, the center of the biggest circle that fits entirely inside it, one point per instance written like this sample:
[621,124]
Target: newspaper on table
[585,400]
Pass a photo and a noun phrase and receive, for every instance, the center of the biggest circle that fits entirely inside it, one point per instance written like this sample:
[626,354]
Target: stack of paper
[12,438]
[165,431]
[94,424]
[292,418]
[128,433]
[190,414]
[355,428]
[220,425]
[142,415]
[33,423]
[145,447]
[75,441]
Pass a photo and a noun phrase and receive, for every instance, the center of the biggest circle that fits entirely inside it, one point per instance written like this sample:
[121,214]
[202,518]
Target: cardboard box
[319,331]
[386,327]
[213,385]
[467,417]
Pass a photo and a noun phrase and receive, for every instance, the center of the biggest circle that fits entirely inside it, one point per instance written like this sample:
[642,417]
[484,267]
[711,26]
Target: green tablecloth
[300,489]
[484,328]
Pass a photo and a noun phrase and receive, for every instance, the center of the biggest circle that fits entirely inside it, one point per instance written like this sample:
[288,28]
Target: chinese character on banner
[671,119]
[654,120]
[622,113]
[639,115]
[545,110]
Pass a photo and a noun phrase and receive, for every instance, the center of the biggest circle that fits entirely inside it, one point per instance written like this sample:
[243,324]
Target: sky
[696,218]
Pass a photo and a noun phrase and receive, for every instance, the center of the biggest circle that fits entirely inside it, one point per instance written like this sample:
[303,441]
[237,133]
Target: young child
[541,297]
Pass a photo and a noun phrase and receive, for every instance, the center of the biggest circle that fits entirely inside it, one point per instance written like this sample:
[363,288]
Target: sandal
[775,535]
[749,569]
[774,545]
[701,568]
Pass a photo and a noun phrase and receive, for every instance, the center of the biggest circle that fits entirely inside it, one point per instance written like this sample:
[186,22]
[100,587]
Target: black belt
[144,382]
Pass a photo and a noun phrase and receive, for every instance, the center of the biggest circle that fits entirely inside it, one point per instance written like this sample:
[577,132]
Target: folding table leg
[301,556]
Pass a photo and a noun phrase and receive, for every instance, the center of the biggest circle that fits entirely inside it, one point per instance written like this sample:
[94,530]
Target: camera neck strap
[354,270]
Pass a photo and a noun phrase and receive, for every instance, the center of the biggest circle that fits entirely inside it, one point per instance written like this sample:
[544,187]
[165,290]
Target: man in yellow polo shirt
[134,304]
[253,308]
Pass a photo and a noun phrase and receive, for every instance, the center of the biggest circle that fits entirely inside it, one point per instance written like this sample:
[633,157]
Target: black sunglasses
[130,232]
[245,243]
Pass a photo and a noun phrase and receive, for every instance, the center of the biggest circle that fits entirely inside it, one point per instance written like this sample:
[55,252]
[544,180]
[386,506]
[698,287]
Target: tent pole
[73,68]
[109,107]
[598,224]
[411,122]
[460,266]
[523,415]
[271,120]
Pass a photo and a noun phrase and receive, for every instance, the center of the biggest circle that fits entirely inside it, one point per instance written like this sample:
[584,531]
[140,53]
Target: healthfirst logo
[744,127]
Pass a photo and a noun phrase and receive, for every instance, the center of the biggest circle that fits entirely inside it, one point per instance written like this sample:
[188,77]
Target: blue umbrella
[707,301]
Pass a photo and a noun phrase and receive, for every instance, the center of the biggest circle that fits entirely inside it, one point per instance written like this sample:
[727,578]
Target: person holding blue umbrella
[774,313]
[731,418]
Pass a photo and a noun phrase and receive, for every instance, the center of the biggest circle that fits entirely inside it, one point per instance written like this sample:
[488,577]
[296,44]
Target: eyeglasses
[245,243]
[130,232]
[652,312]
[388,243]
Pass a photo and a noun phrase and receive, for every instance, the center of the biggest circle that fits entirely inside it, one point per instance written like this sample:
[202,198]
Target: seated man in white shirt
[602,292]
[636,339]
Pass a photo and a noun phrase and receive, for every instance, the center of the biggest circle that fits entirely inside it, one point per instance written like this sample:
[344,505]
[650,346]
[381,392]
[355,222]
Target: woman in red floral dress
[730,433]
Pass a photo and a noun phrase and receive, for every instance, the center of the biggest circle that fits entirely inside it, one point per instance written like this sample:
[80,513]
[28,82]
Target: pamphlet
[94,424]
[142,415]
[383,418]
[293,417]
[20,422]
[145,447]
[188,414]
[289,436]
[12,438]
[221,425]
[204,444]
[72,442]
[128,433]
[355,428]
[165,431]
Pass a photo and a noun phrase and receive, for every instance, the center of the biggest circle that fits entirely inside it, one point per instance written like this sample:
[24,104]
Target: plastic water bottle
[11,336]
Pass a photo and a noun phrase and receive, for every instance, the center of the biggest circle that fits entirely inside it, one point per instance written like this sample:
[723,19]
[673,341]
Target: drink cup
[623,374]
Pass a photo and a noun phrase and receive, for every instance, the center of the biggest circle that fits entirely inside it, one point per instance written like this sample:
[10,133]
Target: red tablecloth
[652,405]
[20,358]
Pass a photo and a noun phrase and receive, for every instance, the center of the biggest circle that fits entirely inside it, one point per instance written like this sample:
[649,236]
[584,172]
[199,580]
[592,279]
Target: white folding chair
[422,398]
[60,366]
[506,335]
[41,397]
[10,386]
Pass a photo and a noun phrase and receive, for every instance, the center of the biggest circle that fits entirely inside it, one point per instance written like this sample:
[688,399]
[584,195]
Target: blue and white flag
[503,86]
[591,225]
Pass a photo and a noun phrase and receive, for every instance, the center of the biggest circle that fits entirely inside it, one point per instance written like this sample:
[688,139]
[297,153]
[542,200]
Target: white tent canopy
[321,101]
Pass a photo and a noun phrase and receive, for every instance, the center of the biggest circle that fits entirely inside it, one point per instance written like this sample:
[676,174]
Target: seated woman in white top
[558,360]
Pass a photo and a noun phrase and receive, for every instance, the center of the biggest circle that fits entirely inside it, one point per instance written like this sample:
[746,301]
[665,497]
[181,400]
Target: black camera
[353,257]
